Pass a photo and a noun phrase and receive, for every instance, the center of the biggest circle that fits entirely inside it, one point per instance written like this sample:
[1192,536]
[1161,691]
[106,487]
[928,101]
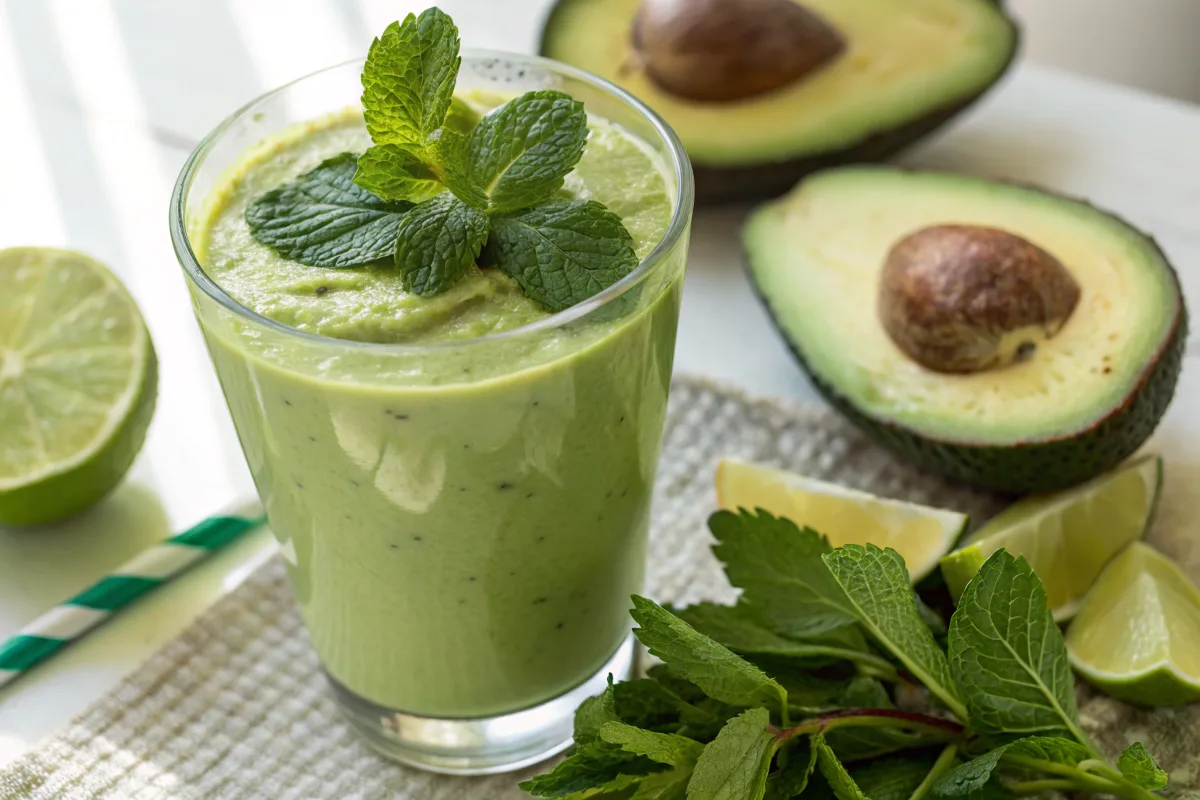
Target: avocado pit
[967,298]
[727,50]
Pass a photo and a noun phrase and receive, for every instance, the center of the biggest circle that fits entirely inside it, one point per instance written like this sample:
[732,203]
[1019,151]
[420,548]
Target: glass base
[478,746]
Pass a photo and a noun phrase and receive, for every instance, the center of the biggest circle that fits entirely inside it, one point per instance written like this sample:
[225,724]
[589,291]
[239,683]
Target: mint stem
[944,763]
[1085,780]
[945,729]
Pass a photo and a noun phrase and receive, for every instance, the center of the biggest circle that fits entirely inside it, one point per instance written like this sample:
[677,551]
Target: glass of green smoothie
[460,483]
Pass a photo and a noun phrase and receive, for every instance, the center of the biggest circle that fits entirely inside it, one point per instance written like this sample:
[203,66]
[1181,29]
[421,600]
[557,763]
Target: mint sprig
[439,183]
[997,720]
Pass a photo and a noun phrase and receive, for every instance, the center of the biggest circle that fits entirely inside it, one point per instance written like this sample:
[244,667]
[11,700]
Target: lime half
[78,380]
[1137,636]
[845,516]
[1067,537]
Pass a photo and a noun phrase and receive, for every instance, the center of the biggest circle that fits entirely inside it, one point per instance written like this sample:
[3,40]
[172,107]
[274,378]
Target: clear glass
[463,522]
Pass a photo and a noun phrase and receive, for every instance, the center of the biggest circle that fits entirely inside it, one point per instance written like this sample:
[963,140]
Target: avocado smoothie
[460,484]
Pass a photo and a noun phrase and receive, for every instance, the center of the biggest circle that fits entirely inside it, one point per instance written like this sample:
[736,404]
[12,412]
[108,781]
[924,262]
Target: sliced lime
[1067,537]
[78,381]
[845,516]
[1137,636]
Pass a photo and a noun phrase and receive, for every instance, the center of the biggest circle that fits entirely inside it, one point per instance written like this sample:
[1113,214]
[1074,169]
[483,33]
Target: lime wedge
[1067,537]
[78,380]
[846,516]
[1137,636]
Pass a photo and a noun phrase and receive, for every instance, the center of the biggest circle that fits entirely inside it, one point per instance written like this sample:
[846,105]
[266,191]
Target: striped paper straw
[70,620]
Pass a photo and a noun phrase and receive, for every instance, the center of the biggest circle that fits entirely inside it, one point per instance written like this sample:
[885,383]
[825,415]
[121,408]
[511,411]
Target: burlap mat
[236,707]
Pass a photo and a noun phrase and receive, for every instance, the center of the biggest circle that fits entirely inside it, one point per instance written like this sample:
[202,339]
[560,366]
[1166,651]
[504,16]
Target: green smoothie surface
[369,303]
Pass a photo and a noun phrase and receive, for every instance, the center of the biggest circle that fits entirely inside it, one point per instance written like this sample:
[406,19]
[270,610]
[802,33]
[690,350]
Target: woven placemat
[236,706]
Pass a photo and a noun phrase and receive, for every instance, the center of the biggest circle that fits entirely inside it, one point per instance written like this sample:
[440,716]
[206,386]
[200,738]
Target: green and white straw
[70,620]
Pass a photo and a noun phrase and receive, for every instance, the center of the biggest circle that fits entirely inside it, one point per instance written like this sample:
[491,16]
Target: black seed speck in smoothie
[559,626]
[287,402]
[504,486]
[539,601]
[395,546]
[416,538]
[312,438]
[622,419]
[471,579]
[299,485]
[541,538]
[322,289]
[529,495]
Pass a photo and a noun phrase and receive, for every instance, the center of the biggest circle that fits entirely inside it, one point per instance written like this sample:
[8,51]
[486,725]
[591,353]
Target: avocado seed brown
[726,50]
[966,298]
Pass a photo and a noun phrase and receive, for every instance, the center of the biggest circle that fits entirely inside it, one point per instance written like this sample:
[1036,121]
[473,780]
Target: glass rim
[684,198]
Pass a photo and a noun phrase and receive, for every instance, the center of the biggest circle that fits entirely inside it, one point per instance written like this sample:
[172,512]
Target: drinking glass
[462,541]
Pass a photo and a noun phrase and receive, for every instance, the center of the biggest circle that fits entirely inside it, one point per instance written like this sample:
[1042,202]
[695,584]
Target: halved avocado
[990,372]
[763,92]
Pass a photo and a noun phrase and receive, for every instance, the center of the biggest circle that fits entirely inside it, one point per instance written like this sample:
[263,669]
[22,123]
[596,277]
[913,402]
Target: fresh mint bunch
[439,184]
[805,688]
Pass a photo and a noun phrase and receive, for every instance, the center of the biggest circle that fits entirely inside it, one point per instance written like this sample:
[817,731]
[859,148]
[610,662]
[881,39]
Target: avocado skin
[717,185]
[1027,467]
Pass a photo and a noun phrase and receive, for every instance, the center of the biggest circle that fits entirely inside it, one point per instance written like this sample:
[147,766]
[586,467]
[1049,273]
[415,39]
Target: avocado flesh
[908,67]
[1083,401]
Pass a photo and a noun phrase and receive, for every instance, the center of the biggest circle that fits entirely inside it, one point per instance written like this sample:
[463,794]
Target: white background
[100,102]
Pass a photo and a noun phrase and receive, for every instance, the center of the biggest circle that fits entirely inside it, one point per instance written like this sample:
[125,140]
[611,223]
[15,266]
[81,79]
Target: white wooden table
[100,102]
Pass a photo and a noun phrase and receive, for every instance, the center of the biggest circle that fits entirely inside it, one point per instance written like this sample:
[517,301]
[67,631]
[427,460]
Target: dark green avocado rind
[730,184]
[1035,466]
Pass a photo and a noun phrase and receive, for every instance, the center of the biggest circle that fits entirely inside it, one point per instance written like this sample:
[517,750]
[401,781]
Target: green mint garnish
[459,183]
[324,219]
[393,173]
[562,252]
[665,748]
[409,78]
[1009,656]
[521,152]
[737,762]
[810,709]
[877,592]
[1138,766]
[437,244]
[719,672]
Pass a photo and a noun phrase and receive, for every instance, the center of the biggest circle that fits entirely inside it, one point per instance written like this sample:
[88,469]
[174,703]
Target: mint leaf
[791,779]
[859,743]
[393,173]
[657,705]
[521,151]
[718,671]
[739,630]
[892,778]
[598,766]
[665,748]
[1008,654]
[843,786]
[1026,753]
[593,713]
[865,692]
[778,566]
[808,691]
[437,243]
[877,591]
[451,155]
[324,219]
[664,786]
[734,766]
[563,252]
[408,80]
[1139,767]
